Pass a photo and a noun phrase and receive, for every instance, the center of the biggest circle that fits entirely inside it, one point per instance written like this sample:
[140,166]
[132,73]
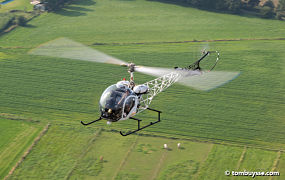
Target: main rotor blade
[205,81]
[208,80]
[66,48]
[153,71]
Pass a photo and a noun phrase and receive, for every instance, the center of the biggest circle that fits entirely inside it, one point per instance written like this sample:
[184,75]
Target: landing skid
[86,124]
[139,120]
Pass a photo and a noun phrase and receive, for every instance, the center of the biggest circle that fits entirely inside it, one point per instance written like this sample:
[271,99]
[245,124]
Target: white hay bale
[165,146]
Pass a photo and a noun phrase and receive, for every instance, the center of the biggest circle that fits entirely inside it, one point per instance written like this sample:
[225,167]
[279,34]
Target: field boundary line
[124,160]
[241,157]
[19,136]
[158,167]
[26,153]
[275,163]
[203,161]
[17,118]
[190,41]
[18,145]
[162,42]
[207,140]
[85,151]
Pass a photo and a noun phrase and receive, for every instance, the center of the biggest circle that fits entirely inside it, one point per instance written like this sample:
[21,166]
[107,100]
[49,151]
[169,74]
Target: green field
[249,111]
[16,5]
[67,91]
[133,157]
[10,13]
[16,137]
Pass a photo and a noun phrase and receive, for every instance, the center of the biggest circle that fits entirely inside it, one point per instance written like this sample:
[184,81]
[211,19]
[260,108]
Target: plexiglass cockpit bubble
[117,102]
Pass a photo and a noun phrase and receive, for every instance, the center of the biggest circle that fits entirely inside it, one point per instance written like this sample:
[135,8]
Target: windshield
[112,102]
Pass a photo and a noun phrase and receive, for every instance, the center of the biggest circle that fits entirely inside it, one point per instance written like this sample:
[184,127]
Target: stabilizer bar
[196,65]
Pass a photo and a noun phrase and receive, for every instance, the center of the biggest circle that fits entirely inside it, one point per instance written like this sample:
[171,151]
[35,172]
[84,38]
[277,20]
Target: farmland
[16,136]
[233,127]
[66,91]
[134,157]
[17,5]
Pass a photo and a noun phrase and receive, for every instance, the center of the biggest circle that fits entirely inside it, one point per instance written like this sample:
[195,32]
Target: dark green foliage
[54,4]
[234,6]
[196,3]
[228,5]
[181,170]
[221,5]
[250,7]
[281,5]
[20,20]
[253,3]
[267,12]
[269,3]
[6,19]
[10,19]
[280,11]
[280,15]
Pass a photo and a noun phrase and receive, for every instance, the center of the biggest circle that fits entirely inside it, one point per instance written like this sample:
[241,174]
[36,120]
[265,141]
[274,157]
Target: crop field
[237,126]
[16,136]
[133,157]
[80,157]
[67,91]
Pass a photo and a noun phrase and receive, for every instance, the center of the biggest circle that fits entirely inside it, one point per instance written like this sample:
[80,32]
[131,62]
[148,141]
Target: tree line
[253,7]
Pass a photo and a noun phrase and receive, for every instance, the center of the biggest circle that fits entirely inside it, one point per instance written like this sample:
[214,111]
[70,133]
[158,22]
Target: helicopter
[125,99]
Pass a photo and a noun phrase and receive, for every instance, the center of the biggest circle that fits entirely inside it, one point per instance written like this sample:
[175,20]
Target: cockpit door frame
[133,111]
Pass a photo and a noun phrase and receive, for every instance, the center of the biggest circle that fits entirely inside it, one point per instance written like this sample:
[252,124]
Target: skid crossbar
[139,120]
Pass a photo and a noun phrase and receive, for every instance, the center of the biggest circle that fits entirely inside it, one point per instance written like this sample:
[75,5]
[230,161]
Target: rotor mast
[131,70]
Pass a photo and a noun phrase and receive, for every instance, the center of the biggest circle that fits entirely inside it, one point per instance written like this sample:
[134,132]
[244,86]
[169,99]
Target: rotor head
[131,67]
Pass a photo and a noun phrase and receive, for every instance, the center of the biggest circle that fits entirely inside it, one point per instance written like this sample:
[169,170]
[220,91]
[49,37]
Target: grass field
[281,166]
[8,18]
[133,157]
[68,91]
[16,137]
[139,21]
[16,5]
[248,111]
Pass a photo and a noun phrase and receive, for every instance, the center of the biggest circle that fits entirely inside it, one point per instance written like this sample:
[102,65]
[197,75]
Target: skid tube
[139,120]
[86,124]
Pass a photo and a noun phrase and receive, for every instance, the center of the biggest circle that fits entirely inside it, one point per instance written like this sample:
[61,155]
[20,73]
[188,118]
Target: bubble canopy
[116,102]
